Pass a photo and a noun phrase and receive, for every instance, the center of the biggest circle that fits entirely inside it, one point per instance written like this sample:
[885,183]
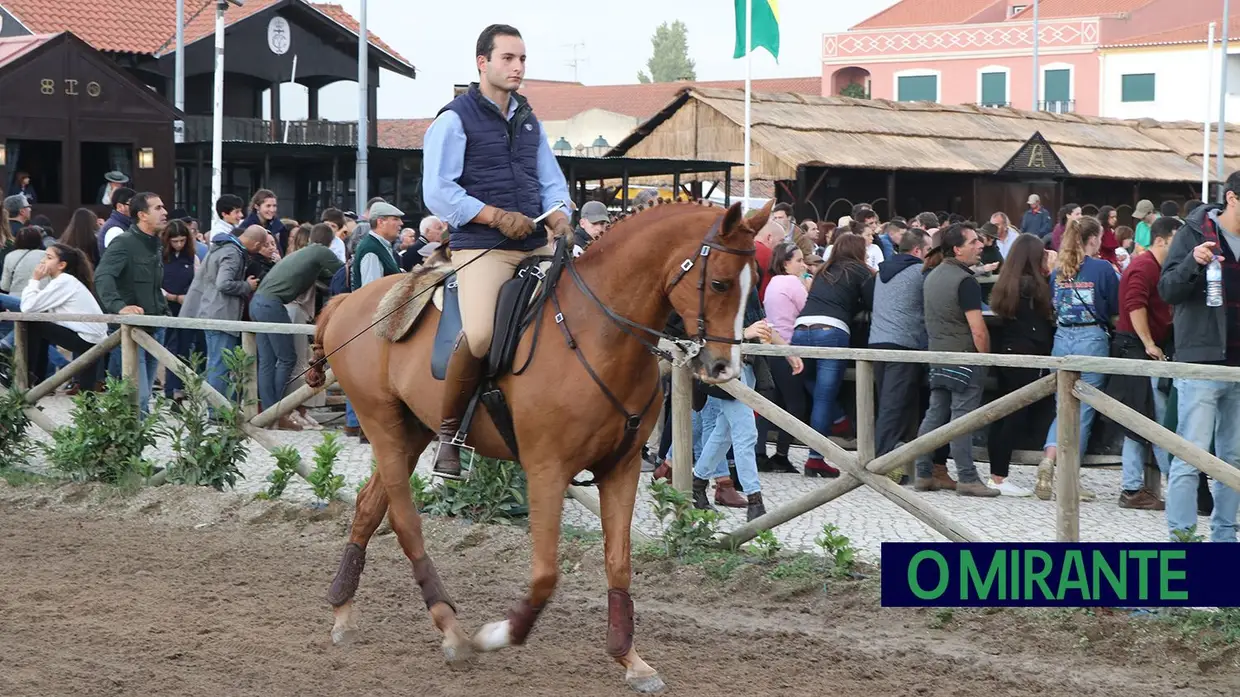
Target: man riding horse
[489,173]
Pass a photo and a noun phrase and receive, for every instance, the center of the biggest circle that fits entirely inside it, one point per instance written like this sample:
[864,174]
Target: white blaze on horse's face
[745,283]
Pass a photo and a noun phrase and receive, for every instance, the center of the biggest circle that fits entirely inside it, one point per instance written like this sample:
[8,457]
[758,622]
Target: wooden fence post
[249,392]
[1068,459]
[21,371]
[682,428]
[129,362]
[865,413]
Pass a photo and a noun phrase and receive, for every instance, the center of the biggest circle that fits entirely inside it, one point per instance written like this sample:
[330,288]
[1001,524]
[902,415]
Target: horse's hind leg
[397,440]
[617,496]
[546,495]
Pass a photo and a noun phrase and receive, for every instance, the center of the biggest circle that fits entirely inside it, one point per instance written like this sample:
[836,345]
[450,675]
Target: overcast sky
[613,43]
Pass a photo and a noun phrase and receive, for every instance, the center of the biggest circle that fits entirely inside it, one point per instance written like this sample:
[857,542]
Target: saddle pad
[446,333]
[403,304]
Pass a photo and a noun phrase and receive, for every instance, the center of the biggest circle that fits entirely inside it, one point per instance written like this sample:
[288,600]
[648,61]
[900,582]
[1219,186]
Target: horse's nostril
[719,368]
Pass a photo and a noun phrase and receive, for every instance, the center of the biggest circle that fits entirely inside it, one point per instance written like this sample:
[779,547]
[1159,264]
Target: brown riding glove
[562,229]
[512,225]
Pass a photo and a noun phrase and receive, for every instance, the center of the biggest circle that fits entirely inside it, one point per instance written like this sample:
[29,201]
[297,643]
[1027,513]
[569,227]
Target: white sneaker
[1007,488]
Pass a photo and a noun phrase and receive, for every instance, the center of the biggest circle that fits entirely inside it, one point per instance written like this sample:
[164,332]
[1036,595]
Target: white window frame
[1071,81]
[918,72]
[1007,81]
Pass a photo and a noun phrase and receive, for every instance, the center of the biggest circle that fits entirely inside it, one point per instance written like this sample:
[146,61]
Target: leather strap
[521,620]
[347,576]
[427,577]
[619,622]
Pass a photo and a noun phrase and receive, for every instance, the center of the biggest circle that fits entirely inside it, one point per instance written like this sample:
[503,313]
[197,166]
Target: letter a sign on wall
[1035,157]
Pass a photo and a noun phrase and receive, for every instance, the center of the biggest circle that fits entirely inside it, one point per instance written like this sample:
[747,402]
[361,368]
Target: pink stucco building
[981,51]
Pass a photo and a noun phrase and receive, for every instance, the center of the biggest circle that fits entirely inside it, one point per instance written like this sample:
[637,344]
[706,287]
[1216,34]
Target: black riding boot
[700,501]
[460,382]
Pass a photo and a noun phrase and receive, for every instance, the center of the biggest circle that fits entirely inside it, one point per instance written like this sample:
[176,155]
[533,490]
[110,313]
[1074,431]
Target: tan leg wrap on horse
[427,577]
[345,583]
[619,622]
[521,620]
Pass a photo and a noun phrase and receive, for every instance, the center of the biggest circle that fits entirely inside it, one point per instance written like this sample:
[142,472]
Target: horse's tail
[316,374]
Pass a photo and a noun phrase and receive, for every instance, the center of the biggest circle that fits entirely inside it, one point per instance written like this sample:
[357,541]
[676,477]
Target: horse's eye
[721,286]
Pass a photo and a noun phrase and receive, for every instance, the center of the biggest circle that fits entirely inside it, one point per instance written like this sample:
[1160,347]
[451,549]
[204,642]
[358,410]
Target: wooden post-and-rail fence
[132,335]
[859,468]
[862,468]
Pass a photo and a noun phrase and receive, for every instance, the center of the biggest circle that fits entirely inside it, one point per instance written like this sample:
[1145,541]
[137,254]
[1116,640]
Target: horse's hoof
[458,652]
[343,636]
[648,685]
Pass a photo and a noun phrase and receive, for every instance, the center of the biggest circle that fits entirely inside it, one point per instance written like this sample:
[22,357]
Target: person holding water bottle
[1201,281]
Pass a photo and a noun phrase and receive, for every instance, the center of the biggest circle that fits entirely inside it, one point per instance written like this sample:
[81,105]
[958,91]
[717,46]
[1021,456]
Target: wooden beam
[21,368]
[77,365]
[1068,459]
[817,182]
[38,418]
[682,428]
[865,412]
[173,363]
[129,361]
[291,401]
[1173,443]
[249,388]
[897,458]
[219,325]
[589,498]
[949,528]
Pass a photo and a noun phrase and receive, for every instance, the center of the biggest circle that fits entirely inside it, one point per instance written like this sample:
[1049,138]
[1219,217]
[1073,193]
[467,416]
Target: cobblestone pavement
[864,516]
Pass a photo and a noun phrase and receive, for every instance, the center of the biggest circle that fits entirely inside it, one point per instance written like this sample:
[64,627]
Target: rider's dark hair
[486,40]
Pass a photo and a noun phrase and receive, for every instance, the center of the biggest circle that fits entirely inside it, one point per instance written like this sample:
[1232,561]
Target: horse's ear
[733,220]
[759,219]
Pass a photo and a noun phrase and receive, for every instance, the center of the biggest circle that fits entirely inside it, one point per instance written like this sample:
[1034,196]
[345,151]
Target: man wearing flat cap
[594,221]
[373,257]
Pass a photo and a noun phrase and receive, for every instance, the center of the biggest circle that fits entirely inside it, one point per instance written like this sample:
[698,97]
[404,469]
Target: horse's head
[711,276]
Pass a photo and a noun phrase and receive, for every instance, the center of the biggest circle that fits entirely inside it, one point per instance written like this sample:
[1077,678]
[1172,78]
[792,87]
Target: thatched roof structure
[794,129]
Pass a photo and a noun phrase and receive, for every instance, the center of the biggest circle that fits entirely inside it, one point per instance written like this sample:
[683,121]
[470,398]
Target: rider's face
[505,69]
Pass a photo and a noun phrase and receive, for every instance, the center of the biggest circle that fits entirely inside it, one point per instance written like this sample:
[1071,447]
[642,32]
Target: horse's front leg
[546,494]
[617,496]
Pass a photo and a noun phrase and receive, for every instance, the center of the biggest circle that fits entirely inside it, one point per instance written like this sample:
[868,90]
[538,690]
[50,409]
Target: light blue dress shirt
[444,159]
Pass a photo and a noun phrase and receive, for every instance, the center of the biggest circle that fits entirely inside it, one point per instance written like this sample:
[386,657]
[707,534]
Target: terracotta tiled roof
[915,13]
[15,47]
[560,101]
[1191,34]
[402,134]
[342,17]
[1057,9]
[148,26]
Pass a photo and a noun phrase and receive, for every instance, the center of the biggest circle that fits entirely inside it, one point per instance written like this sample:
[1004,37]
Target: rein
[690,347]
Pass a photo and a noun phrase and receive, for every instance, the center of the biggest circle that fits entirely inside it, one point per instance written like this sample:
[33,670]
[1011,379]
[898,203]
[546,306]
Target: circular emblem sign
[278,35]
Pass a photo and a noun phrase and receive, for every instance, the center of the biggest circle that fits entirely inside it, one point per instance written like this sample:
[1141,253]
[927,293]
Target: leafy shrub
[206,451]
[15,447]
[287,462]
[838,550]
[688,529]
[322,478]
[765,546]
[107,437]
[493,492]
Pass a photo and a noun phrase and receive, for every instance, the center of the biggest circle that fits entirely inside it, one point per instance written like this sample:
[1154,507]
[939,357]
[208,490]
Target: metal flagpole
[362,130]
[179,80]
[1222,106]
[217,108]
[1205,126]
[748,90]
[1036,82]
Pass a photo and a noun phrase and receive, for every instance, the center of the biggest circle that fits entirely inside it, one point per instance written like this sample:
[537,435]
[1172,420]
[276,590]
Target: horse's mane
[643,216]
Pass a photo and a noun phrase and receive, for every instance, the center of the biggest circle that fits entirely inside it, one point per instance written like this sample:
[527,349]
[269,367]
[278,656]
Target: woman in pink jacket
[785,297]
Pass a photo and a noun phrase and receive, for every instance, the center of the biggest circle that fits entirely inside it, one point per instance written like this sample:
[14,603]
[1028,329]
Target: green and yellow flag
[765,27]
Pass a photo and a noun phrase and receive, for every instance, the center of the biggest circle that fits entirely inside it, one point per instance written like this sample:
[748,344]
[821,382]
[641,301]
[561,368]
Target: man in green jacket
[129,281]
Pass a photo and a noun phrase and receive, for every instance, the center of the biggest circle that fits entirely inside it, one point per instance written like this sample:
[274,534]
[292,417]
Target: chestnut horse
[690,257]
